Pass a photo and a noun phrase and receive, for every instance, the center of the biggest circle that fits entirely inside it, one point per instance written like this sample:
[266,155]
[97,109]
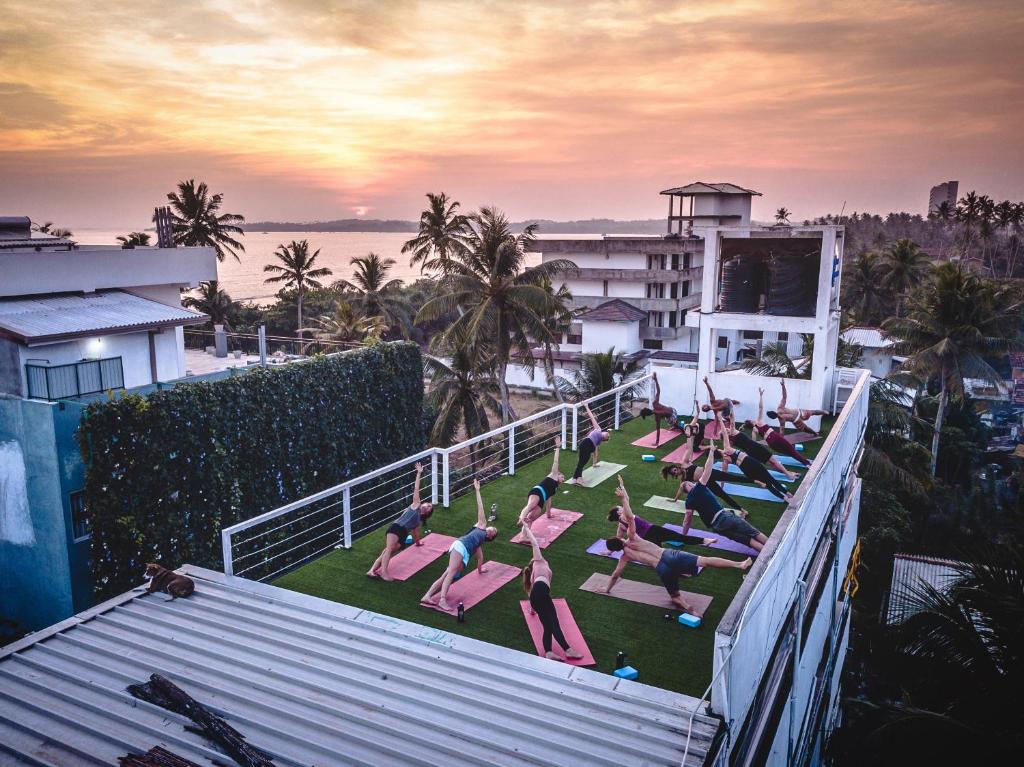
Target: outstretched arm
[627,513]
[782,402]
[480,559]
[709,465]
[696,413]
[533,542]
[481,518]
[554,462]
[657,388]
[711,394]
[679,490]
[593,420]
[687,518]
[617,573]
[416,485]
[726,444]
[760,406]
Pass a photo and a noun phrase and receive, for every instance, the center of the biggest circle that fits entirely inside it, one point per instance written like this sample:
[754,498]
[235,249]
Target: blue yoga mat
[734,469]
[751,491]
[792,463]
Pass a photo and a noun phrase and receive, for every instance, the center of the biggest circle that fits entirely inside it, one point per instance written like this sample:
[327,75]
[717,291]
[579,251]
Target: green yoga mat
[595,475]
[665,504]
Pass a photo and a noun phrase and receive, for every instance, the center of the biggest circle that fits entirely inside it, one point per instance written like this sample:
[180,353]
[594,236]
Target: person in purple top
[649,531]
[588,447]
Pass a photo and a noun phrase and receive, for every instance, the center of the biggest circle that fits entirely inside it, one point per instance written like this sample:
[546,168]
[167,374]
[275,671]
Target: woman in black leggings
[750,466]
[689,474]
[537,583]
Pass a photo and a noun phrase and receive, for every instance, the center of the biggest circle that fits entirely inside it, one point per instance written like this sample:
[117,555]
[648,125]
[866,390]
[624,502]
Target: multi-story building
[75,321]
[945,192]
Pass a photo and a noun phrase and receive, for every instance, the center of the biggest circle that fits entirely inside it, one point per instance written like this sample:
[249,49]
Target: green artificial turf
[665,653]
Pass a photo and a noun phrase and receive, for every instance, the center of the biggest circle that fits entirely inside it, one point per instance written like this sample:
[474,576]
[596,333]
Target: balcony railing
[53,382]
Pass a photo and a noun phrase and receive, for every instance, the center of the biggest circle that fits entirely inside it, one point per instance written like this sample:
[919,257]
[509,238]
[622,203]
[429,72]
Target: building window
[575,338]
[753,335]
[652,344]
[672,319]
[723,342]
[605,288]
[79,522]
[675,261]
[674,290]
[783,338]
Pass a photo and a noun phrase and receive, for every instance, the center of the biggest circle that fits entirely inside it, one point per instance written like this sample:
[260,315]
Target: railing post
[564,424]
[346,505]
[512,450]
[445,480]
[262,344]
[575,424]
[433,478]
[618,400]
[225,546]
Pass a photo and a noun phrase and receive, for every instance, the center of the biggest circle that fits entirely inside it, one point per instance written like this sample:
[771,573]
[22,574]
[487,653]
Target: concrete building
[946,192]
[877,355]
[75,321]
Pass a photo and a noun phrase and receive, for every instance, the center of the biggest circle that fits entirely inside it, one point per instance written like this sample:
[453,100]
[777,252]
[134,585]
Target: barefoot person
[670,565]
[722,521]
[656,534]
[723,406]
[588,447]
[659,412]
[752,468]
[687,473]
[460,552]
[795,416]
[538,501]
[773,438]
[407,524]
[760,451]
[537,583]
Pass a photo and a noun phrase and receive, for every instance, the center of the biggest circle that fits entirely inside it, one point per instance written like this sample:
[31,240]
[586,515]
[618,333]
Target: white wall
[878,361]
[600,336]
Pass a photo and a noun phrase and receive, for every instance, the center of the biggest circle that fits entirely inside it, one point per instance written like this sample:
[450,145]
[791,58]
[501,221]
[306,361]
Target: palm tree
[443,233]
[955,321]
[462,392]
[374,294]
[213,301]
[503,304]
[862,293]
[133,239]
[968,209]
[297,271]
[782,216]
[53,231]
[887,433]
[902,267]
[196,221]
[776,362]
[345,325]
[944,213]
[599,372]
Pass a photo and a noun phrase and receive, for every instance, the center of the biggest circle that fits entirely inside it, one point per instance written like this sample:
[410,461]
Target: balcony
[659,334]
[654,246]
[640,275]
[645,304]
[53,382]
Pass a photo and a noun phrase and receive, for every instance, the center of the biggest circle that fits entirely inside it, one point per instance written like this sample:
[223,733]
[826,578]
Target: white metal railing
[743,649]
[282,539]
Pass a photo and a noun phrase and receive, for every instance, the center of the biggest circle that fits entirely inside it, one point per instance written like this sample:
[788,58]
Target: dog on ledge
[162,579]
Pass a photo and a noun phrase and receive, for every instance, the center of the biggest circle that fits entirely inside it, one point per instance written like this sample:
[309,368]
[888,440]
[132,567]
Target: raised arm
[709,465]
[707,383]
[726,443]
[593,420]
[416,485]
[760,406]
[696,413]
[533,542]
[558,448]
[627,512]
[657,388]
[782,402]
[481,517]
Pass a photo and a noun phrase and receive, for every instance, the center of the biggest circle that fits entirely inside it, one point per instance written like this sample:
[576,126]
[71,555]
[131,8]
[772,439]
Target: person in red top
[773,438]
[797,417]
[723,406]
[659,412]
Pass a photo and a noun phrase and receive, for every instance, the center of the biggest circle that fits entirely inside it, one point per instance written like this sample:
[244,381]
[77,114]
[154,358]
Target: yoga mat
[666,436]
[751,491]
[599,548]
[721,542]
[792,463]
[800,436]
[645,593]
[412,559]
[665,504]
[677,455]
[734,469]
[569,629]
[546,530]
[595,475]
[476,587]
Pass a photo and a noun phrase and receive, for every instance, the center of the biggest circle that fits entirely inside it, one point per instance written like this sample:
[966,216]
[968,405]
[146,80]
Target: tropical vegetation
[297,271]
[196,220]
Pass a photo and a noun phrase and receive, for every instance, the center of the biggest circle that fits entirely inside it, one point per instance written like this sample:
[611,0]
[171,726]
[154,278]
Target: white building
[945,192]
[877,355]
[79,319]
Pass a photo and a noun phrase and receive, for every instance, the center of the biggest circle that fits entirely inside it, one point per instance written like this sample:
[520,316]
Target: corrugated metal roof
[703,187]
[53,318]
[314,682]
[616,310]
[868,337]
[909,572]
[671,356]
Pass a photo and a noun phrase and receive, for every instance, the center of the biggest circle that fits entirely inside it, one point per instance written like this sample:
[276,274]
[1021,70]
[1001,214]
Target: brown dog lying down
[162,579]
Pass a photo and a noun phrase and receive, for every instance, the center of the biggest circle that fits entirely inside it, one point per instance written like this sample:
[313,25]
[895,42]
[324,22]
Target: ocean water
[244,280]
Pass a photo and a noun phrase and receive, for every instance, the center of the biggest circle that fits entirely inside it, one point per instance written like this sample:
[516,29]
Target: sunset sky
[310,109]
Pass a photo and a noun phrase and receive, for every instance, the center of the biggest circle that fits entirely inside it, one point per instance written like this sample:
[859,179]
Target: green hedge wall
[166,472]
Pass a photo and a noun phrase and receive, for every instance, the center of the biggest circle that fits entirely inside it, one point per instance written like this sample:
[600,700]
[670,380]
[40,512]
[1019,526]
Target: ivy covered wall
[166,472]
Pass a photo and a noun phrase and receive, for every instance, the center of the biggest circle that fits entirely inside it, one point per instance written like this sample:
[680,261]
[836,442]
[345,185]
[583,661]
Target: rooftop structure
[911,573]
[943,193]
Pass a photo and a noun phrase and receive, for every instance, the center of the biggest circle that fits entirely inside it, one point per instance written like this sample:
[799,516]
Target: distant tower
[946,192]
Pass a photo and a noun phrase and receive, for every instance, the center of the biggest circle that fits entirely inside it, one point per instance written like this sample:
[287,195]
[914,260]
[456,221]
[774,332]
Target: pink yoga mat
[546,530]
[476,587]
[569,628]
[796,437]
[412,559]
[644,593]
[676,456]
[667,435]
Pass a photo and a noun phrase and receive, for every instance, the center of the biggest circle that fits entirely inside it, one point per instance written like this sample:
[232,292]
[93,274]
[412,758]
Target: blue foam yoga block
[408,540]
[800,448]
[626,672]
[689,620]
[674,544]
[647,458]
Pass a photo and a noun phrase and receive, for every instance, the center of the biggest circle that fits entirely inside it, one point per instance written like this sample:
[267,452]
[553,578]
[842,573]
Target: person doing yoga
[757,449]
[795,416]
[751,467]
[537,583]
[588,447]
[538,501]
[407,524]
[772,437]
[670,565]
[656,534]
[722,521]
[686,473]
[459,553]
[659,412]
[723,406]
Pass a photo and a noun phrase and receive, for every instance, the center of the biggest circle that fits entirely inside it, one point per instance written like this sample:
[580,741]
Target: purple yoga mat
[598,547]
[723,543]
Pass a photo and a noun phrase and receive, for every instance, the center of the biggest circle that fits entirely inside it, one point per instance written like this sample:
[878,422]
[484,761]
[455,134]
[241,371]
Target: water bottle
[494,512]
[462,613]
[620,660]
